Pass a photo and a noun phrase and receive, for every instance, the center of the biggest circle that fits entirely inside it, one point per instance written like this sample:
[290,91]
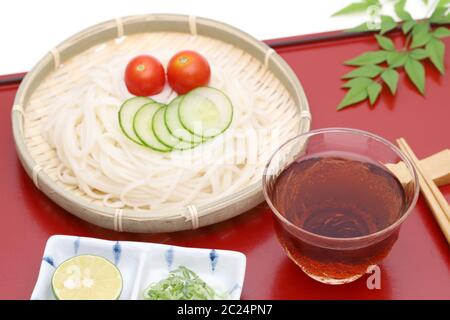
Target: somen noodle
[81,125]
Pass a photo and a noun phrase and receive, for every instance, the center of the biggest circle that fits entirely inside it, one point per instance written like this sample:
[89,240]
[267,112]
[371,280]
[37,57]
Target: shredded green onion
[182,284]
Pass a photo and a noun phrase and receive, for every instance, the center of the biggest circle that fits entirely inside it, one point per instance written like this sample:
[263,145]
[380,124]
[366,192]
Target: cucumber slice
[205,112]
[163,134]
[143,127]
[174,125]
[126,115]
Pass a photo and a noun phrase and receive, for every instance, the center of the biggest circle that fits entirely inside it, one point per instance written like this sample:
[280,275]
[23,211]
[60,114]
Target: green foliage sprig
[375,70]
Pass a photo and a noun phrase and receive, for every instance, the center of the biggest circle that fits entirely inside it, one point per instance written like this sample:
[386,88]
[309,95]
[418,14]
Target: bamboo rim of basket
[126,26]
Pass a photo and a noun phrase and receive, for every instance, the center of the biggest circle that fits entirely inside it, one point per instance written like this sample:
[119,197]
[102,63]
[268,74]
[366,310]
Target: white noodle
[97,158]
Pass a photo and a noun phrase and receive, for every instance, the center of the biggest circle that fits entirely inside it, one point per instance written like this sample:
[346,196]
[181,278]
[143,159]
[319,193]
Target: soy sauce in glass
[337,196]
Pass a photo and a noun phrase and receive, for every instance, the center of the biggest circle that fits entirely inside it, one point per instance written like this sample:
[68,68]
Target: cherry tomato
[144,76]
[188,70]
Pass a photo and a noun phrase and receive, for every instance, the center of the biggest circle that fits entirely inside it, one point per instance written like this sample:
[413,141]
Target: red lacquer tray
[418,266]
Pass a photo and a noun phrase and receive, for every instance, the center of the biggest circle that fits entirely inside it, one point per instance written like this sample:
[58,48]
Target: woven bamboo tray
[40,161]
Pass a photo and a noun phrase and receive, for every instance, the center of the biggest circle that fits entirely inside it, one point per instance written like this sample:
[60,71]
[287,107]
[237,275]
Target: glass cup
[339,197]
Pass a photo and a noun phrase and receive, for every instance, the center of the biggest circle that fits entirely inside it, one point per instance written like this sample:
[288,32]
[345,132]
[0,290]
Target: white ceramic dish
[144,263]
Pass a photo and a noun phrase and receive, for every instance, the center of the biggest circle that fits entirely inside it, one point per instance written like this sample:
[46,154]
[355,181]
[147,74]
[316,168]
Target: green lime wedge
[87,277]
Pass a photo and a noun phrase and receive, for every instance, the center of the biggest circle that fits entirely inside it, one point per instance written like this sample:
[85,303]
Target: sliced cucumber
[163,134]
[205,112]
[126,116]
[174,125]
[143,127]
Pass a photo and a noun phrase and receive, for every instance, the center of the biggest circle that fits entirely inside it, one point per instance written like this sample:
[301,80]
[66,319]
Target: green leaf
[373,90]
[371,57]
[407,26]
[439,16]
[357,93]
[425,2]
[441,32]
[436,51]
[401,12]
[353,96]
[363,81]
[353,8]
[362,27]
[396,59]
[368,71]
[390,77]
[418,54]
[420,35]
[385,43]
[416,73]
[443,3]
[421,27]
[387,24]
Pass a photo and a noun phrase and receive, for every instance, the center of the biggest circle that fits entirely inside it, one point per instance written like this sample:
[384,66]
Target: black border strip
[278,44]
[275,44]
[8,80]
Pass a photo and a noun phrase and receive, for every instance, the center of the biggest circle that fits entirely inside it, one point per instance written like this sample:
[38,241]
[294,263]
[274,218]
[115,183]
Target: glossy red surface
[417,267]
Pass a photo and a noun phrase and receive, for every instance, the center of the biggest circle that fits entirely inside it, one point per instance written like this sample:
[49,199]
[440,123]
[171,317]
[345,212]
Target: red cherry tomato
[188,70]
[144,76]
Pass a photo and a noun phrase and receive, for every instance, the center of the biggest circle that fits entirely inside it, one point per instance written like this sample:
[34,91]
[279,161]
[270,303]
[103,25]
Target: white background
[29,28]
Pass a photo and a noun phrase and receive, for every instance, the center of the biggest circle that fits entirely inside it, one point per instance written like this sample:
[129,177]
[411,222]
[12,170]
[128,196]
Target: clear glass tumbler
[339,197]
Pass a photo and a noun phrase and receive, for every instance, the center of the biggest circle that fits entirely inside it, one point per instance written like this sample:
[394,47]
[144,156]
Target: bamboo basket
[39,162]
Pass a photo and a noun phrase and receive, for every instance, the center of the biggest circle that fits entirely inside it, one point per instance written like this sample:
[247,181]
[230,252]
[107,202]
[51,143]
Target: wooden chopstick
[436,201]
[434,189]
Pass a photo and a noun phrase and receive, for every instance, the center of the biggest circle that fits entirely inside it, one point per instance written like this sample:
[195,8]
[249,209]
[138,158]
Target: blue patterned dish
[144,263]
